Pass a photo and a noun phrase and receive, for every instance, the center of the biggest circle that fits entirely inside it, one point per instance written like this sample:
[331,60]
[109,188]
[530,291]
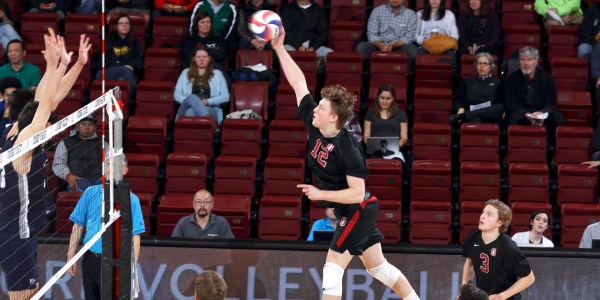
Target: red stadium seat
[168,30]
[526,144]
[96,89]
[351,10]
[78,24]
[171,209]
[344,35]
[143,172]
[241,138]
[433,71]
[430,223]
[432,105]
[155,98]
[479,181]
[282,174]
[186,173]
[35,25]
[573,144]
[146,205]
[431,181]
[344,68]
[519,35]
[518,12]
[287,138]
[280,217]
[562,41]
[389,67]
[250,95]
[577,184]
[570,73]
[385,183]
[528,183]
[35,57]
[236,210]
[194,135]
[65,204]
[307,61]
[575,218]
[576,106]
[146,134]
[431,141]
[470,212]
[235,175]
[72,101]
[163,64]
[479,142]
[251,57]
[521,212]
[285,103]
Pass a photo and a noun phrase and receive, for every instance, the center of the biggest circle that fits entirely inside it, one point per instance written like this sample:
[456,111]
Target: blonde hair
[504,213]
[342,102]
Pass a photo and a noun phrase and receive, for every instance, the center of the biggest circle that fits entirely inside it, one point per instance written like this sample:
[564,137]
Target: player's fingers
[302,186]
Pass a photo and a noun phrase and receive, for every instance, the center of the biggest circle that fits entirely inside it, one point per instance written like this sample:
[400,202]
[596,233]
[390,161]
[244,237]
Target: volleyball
[265,24]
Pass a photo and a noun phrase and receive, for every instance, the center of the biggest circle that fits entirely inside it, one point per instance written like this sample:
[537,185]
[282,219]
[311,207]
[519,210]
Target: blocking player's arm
[355,192]
[517,287]
[67,81]
[73,241]
[292,72]
[468,272]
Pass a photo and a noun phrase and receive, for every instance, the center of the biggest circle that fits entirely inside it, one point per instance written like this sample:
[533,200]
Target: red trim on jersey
[348,229]
[365,202]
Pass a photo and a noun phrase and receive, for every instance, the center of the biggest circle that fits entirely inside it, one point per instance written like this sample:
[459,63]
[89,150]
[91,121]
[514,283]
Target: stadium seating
[251,57]
[518,35]
[186,173]
[528,183]
[307,61]
[467,65]
[344,35]
[285,103]
[155,98]
[573,145]
[479,181]
[235,208]
[470,212]
[78,24]
[388,67]
[576,106]
[433,71]
[143,172]
[280,217]
[168,30]
[65,204]
[282,174]
[526,144]
[194,135]
[577,184]
[479,142]
[344,68]
[575,218]
[563,41]
[171,209]
[431,141]
[287,138]
[235,175]
[241,138]
[521,212]
[570,73]
[385,183]
[162,64]
[35,25]
[430,181]
[432,105]
[250,95]
[348,10]
[146,134]
[430,223]
[72,101]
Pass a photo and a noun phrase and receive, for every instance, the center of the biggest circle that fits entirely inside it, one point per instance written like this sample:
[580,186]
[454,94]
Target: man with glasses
[203,224]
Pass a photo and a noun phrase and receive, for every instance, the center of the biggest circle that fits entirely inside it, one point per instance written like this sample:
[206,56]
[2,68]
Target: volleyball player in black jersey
[499,266]
[339,170]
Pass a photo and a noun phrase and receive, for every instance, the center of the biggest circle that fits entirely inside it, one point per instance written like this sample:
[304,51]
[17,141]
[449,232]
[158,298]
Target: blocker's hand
[312,192]
[278,41]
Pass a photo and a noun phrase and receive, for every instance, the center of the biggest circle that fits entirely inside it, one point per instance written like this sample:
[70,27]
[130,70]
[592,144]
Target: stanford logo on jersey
[343,221]
[330,147]
[493,252]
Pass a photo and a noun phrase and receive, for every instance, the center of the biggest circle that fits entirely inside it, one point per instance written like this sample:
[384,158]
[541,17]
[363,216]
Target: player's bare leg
[333,272]
[383,271]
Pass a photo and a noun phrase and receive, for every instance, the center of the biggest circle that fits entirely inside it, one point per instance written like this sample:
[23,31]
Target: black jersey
[498,264]
[331,159]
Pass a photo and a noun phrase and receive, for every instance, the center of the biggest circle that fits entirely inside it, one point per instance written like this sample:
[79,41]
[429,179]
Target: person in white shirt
[434,19]
[538,223]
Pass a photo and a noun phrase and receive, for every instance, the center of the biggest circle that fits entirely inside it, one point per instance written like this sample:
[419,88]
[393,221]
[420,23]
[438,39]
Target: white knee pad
[386,273]
[332,279]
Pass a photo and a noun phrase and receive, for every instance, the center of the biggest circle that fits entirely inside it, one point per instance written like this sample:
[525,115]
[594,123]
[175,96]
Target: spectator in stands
[223,14]
[434,19]
[88,6]
[592,232]
[471,292]
[247,38]
[210,286]
[596,155]
[7,86]
[589,31]
[538,223]
[16,101]
[7,31]
[123,53]
[478,28]
[78,158]
[595,72]
[116,8]
[559,12]
[87,214]
[28,74]
[530,95]
[60,7]
[202,35]
[173,7]
[305,24]
[476,100]
[201,89]
[391,27]
[203,224]
[328,223]
[385,118]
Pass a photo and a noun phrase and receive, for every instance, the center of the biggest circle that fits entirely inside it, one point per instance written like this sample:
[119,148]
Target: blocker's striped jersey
[23,197]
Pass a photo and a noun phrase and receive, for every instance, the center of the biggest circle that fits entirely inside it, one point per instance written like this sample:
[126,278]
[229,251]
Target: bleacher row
[253,166]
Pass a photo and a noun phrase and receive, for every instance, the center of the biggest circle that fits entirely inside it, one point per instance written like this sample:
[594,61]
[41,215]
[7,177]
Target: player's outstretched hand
[65,57]
[278,41]
[84,49]
[310,191]
[52,51]
[591,164]
[495,297]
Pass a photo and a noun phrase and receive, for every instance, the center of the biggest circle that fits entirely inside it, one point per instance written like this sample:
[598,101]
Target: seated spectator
[305,24]
[596,143]
[88,6]
[123,55]
[568,12]
[116,8]
[589,31]
[592,232]
[7,86]
[538,223]
[434,19]
[78,158]
[202,35]
[476,100]
[391,27]
[17,100]
[471,292]
[385,118]
[201,89]
[223,14]
[203,224]
[328,223]
[247,38]
[28,74]
[7,31]
[595,72]
[173,7]
[530,95]
[60,7]
[478,28]
[210,286]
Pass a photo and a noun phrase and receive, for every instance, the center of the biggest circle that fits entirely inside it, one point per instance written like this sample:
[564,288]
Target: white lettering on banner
[314,274]
[455,285]
[423,285]
[251,283]
[149,293]
[283,283]
[389,294]
[352,286]
[175,280]
[52,265]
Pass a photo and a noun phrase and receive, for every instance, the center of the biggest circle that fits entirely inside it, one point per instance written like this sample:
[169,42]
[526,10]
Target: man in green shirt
[28,74]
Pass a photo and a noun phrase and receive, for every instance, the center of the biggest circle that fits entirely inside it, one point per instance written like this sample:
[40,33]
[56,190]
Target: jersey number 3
[485,264]
[321,154]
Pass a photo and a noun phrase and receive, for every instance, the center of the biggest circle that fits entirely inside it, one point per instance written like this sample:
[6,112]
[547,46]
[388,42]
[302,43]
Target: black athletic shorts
[18,258]
[356,230]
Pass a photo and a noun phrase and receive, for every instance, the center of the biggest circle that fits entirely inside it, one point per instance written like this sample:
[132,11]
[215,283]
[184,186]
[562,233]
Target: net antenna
[115,115]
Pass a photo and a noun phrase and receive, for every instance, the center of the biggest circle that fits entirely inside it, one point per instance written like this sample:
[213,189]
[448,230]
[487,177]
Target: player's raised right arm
[292,72]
